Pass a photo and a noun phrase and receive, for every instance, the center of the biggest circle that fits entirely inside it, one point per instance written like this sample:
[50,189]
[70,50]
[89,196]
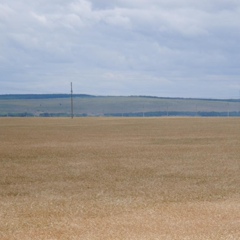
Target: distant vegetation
[39,96]
[58,105]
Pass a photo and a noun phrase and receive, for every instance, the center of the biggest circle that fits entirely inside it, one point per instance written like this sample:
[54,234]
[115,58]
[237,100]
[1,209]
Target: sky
[165,48]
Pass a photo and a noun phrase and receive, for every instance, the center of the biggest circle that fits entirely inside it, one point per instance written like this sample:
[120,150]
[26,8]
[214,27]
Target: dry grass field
[120,178]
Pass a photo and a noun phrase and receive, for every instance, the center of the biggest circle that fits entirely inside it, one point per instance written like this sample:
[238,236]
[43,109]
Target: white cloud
[5,12]
[40,18]
[127,47]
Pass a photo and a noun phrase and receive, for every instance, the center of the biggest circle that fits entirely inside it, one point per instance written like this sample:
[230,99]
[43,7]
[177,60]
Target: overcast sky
[169,48]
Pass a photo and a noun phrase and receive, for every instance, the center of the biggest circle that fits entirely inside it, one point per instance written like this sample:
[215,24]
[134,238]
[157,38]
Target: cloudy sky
[169,48]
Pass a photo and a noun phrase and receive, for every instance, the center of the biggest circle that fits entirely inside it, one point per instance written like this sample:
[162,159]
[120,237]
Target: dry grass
[116,178]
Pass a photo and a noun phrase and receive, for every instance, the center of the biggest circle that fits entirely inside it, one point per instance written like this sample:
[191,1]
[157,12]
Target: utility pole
[239,104]
[71,101]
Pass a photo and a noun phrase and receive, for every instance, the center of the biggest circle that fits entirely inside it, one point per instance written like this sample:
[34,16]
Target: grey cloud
[121,47]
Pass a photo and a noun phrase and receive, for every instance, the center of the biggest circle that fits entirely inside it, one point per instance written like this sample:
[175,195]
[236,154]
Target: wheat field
[119,178]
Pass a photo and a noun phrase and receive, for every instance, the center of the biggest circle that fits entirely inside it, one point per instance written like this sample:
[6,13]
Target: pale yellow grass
[120,178]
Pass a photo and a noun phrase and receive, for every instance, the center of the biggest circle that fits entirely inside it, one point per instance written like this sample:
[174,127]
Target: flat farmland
[119,178]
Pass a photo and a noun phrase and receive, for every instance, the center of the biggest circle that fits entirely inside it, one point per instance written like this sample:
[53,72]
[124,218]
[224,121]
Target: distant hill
[39,96]
[58,105]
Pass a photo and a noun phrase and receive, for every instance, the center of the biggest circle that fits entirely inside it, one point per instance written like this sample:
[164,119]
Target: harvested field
[120,178]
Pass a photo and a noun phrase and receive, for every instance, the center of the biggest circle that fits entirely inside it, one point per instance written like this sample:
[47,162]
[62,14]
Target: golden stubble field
[120,178]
